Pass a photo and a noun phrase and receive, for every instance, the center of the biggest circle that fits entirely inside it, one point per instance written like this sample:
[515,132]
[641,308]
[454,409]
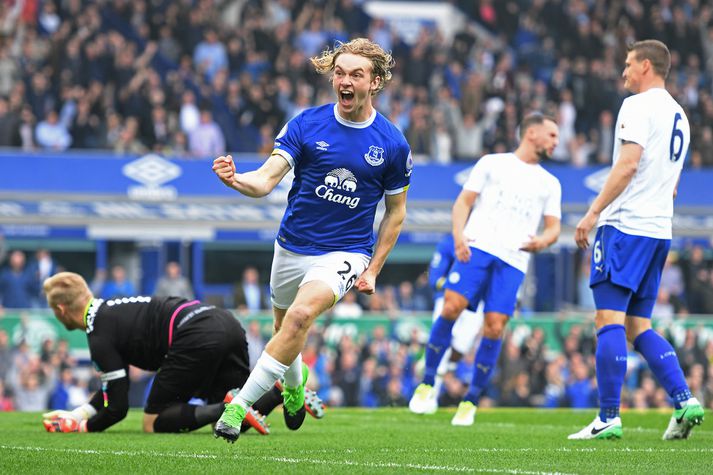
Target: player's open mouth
[346,97]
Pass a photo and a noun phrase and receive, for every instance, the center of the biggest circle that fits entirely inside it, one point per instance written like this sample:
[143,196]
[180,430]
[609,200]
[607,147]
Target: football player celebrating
[346,157]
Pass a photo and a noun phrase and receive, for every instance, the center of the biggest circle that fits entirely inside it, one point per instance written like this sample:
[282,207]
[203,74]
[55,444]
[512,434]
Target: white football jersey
[512,198]
[654,120]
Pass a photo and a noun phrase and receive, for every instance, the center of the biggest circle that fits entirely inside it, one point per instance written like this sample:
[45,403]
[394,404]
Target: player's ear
[376,80]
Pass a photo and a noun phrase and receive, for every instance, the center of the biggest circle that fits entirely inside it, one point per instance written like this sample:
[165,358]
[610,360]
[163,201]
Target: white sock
[267,370]
[293,375]
[438,384]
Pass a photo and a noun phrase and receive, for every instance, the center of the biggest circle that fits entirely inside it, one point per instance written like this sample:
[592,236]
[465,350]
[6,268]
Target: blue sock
[611,369]
[662,360]
[485,360]
[438,342]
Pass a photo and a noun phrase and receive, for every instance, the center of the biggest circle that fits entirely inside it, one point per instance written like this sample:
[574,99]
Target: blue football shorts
[626,271]
[488,278]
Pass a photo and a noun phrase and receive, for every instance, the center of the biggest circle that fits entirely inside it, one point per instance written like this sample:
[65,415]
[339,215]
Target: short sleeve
[478,175]
[288,143]
[398,174]
[633,124]
[553,204]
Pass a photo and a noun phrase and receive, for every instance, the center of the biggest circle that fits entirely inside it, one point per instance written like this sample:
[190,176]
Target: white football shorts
[290,271]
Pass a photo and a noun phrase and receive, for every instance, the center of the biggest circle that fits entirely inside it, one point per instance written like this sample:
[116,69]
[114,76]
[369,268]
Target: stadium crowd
[196,78]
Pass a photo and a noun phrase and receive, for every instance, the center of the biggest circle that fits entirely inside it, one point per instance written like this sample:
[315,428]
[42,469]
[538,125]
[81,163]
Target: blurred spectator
[250,296]
[6,402]
[44,266]
[210,55]
[256,342]
[580,391]
[128,141]
[173,283]
[119,286]
[52,134]
[348,307]
[32,383]
[18,285]
[8,123]
[206,139]
[5,354]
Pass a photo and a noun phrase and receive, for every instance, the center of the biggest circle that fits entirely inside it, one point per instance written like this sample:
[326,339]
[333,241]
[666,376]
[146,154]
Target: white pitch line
[151,453]
[511,425]
[607,449]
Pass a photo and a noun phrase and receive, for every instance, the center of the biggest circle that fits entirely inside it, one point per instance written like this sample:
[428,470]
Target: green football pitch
[511,441]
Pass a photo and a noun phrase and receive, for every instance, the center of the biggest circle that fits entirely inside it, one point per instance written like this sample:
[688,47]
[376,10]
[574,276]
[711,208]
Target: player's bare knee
[297,320]
[452,309]
[494,326]
[635,327]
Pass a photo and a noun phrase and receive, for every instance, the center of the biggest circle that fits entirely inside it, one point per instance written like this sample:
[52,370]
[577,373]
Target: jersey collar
[355,125]
[86,311]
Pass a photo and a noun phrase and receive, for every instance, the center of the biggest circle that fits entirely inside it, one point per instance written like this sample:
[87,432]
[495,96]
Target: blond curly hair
[381,61]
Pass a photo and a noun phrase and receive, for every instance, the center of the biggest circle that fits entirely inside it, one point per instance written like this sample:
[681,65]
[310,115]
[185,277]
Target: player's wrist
[84,412]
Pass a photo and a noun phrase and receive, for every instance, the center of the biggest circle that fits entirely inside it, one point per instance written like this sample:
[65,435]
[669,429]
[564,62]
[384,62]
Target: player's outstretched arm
[548,237]
[619,178]
[255,184]
[389,230]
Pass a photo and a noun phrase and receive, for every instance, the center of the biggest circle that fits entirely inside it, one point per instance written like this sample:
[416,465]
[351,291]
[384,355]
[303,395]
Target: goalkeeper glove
[65,424]
[68,421]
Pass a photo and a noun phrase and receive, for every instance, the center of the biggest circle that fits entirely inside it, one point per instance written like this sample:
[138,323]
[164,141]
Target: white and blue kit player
[346,157]
[634,214]
[467,327]
[495,222]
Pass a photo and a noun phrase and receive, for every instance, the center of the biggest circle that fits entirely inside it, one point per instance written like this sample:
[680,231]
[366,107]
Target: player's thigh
[470,279]
[190,365]
[234,366]
[501,293]
[621,258]
[644,298]
[338,270]
[288,270]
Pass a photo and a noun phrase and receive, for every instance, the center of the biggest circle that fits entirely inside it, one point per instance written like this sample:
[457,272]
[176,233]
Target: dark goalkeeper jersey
[130,331]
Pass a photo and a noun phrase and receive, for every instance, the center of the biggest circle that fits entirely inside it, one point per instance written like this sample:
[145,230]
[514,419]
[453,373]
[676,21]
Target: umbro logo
[322,145]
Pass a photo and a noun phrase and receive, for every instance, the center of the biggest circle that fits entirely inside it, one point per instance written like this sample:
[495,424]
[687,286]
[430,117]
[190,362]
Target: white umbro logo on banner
[322,145]
[152,170]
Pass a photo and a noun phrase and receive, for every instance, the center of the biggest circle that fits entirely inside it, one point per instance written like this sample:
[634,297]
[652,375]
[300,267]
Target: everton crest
[375,156]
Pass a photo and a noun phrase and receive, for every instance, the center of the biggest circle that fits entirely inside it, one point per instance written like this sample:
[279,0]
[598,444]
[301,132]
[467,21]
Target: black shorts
[208,356]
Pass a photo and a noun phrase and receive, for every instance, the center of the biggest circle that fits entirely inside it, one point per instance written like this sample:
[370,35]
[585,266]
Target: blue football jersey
[342,170]
[441,263]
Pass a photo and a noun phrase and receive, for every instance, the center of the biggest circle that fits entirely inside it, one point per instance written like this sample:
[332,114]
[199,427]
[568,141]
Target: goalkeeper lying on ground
[197,350]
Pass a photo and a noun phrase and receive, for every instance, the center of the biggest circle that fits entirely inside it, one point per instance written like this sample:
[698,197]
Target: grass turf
[516,441]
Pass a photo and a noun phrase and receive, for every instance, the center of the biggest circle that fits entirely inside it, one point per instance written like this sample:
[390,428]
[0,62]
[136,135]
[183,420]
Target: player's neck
[361,114]
[654,83]
[526,155]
